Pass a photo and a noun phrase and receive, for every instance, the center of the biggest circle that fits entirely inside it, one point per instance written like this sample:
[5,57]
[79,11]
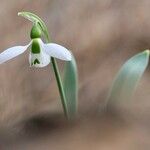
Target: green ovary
[35,32]
[35,47]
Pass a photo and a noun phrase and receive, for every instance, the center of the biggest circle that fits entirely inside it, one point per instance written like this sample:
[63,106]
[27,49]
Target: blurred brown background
[102,34]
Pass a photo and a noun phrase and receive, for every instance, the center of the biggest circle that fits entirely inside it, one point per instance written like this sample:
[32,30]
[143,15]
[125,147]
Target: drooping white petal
[58,51]
[39,60]
[12,52]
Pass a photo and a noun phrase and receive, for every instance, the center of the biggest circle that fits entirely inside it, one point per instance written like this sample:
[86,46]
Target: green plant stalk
[35,19]
[59,81]
[60,86]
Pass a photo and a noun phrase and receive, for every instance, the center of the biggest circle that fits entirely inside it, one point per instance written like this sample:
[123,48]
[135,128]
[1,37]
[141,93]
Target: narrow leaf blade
[127,79]
[70,84]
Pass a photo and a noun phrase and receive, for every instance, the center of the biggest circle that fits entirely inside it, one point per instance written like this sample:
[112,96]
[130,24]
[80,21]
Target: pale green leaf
[127,79]
[70,84]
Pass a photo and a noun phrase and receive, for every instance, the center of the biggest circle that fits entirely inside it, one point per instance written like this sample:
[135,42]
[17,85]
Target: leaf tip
[23,13]
[20,13]
[147,52]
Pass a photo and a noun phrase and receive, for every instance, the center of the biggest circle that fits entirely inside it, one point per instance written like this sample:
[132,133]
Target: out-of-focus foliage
[127,79]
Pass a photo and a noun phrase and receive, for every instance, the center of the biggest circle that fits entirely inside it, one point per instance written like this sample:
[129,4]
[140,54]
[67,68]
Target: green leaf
[35,19]
[70,84]
[127,79]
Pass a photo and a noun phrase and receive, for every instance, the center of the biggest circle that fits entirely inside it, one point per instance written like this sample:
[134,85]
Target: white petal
[58,51]
[42,58]
[12,52]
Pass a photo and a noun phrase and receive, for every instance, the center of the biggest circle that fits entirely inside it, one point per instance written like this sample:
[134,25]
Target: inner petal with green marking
[35,47]
[39,60]
[38,57]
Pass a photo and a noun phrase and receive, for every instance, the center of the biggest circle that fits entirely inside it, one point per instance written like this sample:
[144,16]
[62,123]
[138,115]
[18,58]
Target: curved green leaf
[127,79]
[35,19]
[70,84]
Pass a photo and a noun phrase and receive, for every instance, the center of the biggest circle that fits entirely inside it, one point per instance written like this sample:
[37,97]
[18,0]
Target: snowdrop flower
[40,52]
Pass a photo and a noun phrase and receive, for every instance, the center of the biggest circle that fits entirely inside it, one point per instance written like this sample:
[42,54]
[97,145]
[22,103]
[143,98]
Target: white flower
[40,53]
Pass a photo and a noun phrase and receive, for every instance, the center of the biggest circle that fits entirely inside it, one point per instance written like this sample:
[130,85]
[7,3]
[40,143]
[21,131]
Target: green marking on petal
[35,47]
[36,61]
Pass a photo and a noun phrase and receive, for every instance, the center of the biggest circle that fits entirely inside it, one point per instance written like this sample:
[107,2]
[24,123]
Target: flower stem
[60,86]
[59,82]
